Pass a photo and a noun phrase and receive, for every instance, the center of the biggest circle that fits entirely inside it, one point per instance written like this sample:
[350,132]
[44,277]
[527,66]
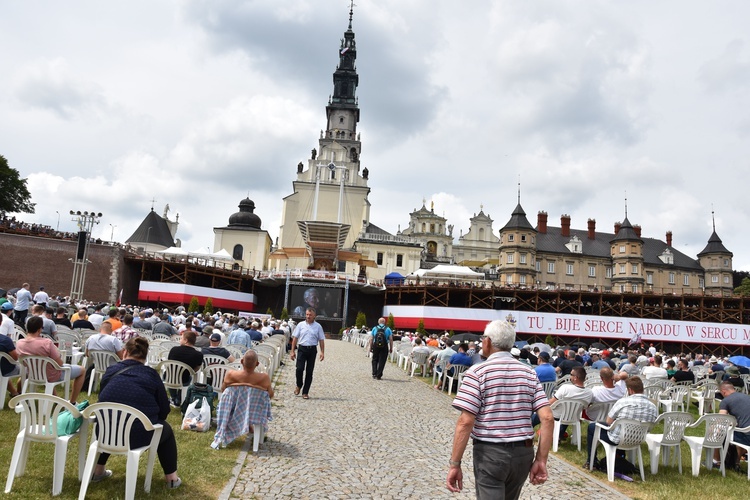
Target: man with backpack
[380,345]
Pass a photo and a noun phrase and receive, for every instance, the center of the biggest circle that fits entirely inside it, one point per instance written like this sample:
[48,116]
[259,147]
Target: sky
[107,106]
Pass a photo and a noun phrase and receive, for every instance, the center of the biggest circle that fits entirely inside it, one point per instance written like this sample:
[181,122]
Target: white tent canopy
[220,256]
[174,251]
[447,271]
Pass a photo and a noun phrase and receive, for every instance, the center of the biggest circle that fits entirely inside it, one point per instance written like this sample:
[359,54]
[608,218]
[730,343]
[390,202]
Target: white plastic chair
[549,388]
[419,359]
[705,394]
[235,414]
[653,392]
[673,397]
[171,374]
[632,435]
[458,374]
[160,337]
[437,375]
[718,432]
[567,412]
[113,424]
[744,446]
[34,371]
[562,380]
[39,414]
[213,359]
[5,379]
[675,423]
[101,361]
[269,351]
[403,355]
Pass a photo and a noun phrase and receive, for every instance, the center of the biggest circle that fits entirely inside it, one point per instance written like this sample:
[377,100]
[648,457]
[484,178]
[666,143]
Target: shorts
[15,371]
[75,372]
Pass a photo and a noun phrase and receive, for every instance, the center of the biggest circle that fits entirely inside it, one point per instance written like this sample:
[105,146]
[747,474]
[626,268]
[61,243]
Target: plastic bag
[197,419]
[67,425]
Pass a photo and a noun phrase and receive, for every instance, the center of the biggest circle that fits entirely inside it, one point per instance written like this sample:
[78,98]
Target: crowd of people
[13,225]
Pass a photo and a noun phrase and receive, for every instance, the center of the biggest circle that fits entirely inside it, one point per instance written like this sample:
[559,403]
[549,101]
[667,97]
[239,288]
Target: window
[650,278]
[686,280]
[509,279]
[622,268]
[671,278]
[511,238]
[380,258]
[701,283]
[569,269]
[635,269]
[538,266]
[622,248]
[726,280]
[510,258]
[523,279]
[237,252]
[634,288]
[523,238]
[399,260]
[522,259]
[714,279]
[592,271]
[726,262]
[550,267]
[608,272]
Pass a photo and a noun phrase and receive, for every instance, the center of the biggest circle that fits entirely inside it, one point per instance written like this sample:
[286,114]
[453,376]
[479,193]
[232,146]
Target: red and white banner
[604,327]
[178,293]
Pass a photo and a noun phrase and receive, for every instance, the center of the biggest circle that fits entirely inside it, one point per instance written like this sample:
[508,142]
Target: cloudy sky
[198,103]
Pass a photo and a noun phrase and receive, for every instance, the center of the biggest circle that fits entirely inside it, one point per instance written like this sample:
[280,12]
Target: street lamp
[112,234]
[85,221]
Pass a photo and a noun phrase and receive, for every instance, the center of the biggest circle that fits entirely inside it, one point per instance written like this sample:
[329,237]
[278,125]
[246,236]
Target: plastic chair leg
[131,474]
[556,436]
[58,469]
[15,468]
[257,437]
[654,450]
[152,452]
[611,455]
[88,470]
[640,463]
[695,460]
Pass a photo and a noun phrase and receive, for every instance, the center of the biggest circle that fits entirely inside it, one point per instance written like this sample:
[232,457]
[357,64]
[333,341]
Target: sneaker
[107,474]
[173,485]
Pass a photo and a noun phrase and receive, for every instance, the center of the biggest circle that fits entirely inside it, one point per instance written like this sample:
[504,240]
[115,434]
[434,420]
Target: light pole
[85,221]
[112,234]
[58,220]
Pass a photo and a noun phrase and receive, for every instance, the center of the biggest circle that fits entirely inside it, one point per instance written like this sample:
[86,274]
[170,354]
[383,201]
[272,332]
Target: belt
[526,443]
[308,346]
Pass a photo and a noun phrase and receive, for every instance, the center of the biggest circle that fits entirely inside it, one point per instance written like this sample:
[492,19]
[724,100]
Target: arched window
[237,252]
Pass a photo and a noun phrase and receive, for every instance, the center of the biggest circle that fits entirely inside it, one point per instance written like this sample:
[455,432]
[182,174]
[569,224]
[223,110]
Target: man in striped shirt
[496,399]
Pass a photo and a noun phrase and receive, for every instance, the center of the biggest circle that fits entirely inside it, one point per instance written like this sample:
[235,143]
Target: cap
[731,370]
[7,306]
[544,355]
[215,337]
[208,329]
[515,351]
[713,360]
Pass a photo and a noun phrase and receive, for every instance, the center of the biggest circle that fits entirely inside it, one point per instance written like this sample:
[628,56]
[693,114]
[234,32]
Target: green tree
[194,307]
[549,341]
[391,323]
[284,314]
[208,309]
[420,327]
[269,311]
[14,195]
[744,288]
[361,320]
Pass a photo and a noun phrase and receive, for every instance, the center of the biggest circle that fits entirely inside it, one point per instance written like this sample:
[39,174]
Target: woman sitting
[135,384]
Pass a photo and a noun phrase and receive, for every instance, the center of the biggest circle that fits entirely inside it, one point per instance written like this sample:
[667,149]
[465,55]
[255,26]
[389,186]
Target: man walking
[500,389]
[308,335]
[381,345]
[23,303]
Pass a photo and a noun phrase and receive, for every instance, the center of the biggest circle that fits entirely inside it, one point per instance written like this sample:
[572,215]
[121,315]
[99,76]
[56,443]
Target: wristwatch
[454,463]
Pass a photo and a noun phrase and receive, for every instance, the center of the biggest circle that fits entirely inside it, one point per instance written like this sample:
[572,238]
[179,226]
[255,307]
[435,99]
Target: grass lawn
[668,482]
[203,471]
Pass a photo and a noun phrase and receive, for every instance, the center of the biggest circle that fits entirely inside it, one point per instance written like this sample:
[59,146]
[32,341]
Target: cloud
[52,86]
[729,72]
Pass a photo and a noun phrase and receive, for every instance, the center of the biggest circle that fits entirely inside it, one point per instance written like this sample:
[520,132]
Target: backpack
[380,341]
[196,392]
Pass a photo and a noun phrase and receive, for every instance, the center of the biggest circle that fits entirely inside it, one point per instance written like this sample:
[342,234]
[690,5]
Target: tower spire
[351,13]
[713,219]
[519,189]
[626,204]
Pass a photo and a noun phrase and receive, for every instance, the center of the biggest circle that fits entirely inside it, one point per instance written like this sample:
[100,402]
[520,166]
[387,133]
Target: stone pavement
[361,438]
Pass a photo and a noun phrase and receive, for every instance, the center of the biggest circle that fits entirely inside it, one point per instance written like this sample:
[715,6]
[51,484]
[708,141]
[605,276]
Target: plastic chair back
[35,373]
[172,371]
[568,411]
[549,388]
[632,432]
[213,359]
[717,429]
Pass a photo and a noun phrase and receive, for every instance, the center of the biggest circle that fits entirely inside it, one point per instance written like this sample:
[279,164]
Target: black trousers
[167,450]
[20,318]
[379,358]
[305,366]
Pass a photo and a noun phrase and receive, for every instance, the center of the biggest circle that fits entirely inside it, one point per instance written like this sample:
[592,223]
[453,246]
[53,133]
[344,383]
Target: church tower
[321,220]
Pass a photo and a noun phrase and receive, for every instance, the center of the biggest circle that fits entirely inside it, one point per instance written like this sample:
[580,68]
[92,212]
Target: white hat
[713,360]
[515,351]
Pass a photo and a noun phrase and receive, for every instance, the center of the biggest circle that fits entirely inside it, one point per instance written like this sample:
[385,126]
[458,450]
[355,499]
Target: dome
[245,217]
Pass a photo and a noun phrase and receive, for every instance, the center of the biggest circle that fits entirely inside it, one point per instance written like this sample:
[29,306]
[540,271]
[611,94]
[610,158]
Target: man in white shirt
[41,297]
[6,316]
[654,370]
[23,303]
[609,391]
[97,318]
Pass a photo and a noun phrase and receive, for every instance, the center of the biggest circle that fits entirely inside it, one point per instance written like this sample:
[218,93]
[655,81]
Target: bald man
[248,376]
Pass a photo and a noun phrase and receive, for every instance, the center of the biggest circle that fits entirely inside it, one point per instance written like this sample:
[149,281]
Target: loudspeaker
[81,244]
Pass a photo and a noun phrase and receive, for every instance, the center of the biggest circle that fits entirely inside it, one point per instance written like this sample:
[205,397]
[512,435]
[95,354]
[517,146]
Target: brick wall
[45,262]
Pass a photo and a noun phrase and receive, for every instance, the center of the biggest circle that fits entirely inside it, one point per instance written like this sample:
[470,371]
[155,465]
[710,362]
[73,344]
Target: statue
[450,229]
[300,166]
[314,153]
[365,173]
[166,210]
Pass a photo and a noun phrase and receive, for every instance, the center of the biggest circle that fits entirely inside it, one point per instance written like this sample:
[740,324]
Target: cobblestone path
[362,438]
